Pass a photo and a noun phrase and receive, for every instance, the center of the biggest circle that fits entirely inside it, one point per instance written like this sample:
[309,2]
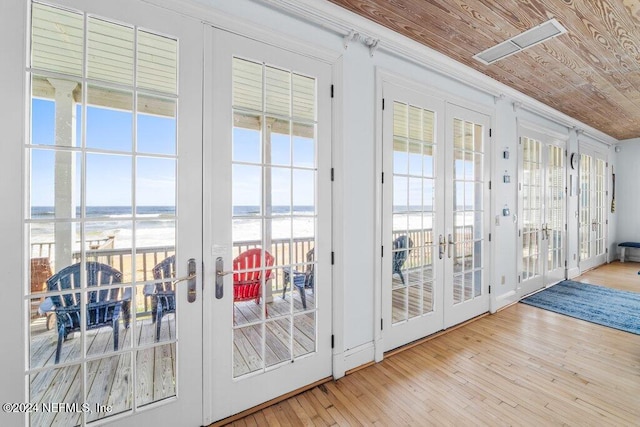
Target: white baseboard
[573,272]
[503,300]
[358,356]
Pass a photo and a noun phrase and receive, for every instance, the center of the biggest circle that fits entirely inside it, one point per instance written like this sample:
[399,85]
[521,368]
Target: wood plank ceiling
[591,73]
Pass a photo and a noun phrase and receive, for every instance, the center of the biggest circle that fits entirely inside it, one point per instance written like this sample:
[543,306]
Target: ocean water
[155,225]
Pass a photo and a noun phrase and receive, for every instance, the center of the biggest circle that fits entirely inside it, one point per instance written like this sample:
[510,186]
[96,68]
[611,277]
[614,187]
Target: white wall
[627,194]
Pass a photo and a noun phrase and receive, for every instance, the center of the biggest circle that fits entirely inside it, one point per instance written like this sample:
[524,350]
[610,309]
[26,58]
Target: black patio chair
[103,306]
[401,249]
[163,294]
[301,280]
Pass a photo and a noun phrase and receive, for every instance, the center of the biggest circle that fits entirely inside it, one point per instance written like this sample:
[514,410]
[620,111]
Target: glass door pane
[101,222]
[414,210]
[555,215]
[467,210]
[586,207]
[273,216]
[531,207]
[599,207]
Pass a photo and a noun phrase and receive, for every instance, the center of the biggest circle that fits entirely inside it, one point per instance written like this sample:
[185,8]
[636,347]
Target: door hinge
[381,324]
[332,175]
[565,226]
[565,263]
[383,177]
[489,236]
[333,257]
[519,186]
[566,190]
[490,132]
[606,251]
[489,288]
[332,91]
[489,185]
[382,251]
[520,233]
[383,104]
[518,278]
[607,222]
[333,341]
[566,153]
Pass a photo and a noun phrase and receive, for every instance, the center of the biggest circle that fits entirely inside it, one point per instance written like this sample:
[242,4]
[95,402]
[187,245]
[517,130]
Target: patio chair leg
[158,321]
[126,313]
[303,297]
[116,333]
[61,338]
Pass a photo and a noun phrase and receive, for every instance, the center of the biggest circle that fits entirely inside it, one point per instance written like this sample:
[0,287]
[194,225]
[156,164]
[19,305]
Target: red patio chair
[247,276]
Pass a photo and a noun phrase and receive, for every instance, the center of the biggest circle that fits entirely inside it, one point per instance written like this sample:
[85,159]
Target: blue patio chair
[301,280]
[401,249]
[103,306]
[163,294]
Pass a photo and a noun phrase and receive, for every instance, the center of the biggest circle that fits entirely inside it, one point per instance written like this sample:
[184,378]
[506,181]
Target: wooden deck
[109,379]
[279,344]
[522,366]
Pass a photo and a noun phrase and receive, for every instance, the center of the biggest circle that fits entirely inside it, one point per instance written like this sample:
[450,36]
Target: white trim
[242,27]
[358,356]
[13,259]
[337,212]
[378,339]
[573,272]
[342,22]
[535,127]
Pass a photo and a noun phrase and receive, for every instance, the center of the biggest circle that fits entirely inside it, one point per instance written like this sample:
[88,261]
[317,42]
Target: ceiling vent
[532,37]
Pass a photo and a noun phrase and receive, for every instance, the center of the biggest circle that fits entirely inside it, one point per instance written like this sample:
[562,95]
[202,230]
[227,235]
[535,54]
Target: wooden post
[65,171]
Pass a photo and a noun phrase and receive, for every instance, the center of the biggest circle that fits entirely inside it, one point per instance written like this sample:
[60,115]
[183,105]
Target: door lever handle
[190,278]
[441,246]
[220,277]
[450,238]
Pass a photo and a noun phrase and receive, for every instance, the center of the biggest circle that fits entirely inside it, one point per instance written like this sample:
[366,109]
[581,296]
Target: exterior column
[65,171]
[268,203]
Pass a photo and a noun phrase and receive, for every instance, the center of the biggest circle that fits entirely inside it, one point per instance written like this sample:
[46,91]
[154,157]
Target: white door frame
[225,395]
[467,309]
[546,137]
[12,111]
[597,152]
[426,324]
[386,76]
[187,405]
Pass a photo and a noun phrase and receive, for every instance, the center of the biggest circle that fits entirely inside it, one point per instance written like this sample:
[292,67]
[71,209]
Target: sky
[109,174]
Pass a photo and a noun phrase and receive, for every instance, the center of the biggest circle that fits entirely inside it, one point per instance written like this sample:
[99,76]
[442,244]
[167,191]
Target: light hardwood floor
[521,366]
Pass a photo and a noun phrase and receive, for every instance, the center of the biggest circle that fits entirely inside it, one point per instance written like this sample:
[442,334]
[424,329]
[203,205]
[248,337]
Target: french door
[113,215]
[593,208]
[542,210]
[435,200]
[467,223]
[267,222]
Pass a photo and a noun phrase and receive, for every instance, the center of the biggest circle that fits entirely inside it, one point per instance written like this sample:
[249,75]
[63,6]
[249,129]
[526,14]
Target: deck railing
[463,237]
[284,251]
[45,249]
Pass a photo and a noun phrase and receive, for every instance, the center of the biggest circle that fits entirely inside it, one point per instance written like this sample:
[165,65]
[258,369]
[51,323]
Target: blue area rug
[596,304]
